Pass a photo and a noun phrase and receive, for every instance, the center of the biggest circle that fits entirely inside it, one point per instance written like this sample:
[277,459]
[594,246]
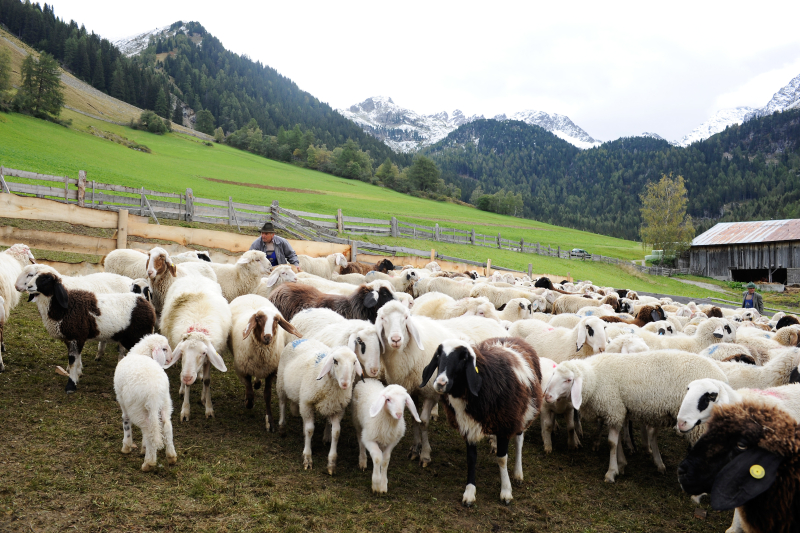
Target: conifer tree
[162,104]
[41,91]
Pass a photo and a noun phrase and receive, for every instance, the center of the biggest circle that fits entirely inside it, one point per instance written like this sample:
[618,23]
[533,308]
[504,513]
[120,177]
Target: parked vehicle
[582,254]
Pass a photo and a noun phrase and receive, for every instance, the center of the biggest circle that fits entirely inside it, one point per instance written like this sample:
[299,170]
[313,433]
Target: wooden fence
[329,228]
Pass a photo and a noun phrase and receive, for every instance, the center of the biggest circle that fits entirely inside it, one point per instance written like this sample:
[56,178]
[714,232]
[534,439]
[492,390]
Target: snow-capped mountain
[787,98]
[717,123]
[654,136]
[130,46]
[404,130]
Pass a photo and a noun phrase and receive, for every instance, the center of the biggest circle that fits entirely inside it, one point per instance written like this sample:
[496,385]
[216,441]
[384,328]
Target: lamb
[703,394]
[788,336]
[258,335]
[354,267]
[786,320]
[142,286]
[493,388]
[12,261]
[627,343]
[317,379]
[279,275]
[244,276]
[560,344]
[402,283]
[379,424]
[710,331]
[433,266]
[516,309]
[660,327]
[454,289]
[192,256]
[197,321]
[408,344]
[127,262]
[162,272]
[562,406]
[645,315]
[441,307]
[652,395]
[778,371]
[142,389]
[571,303]
[723,463]
[568,321]
[76,316]
[475,328]
[362,304]
[323,267]
[499,296]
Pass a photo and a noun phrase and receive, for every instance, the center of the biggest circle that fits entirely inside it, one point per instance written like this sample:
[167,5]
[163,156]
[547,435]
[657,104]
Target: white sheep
[643,387]
[258,334]
[500,295]
[317,379]
[560,344]
[242,277]
[192,256]
[379,424]
[162,272]
[566,320]
[516,309]
[562,406]
[127,262]
[710,331]
[402,282]
[12,261]
[778,371]
[197,321]
[323,267]
[325,285]
[279,275]
[441,307]
[2,327]
[475,328]
[455,289]
[142,389]
[660,327]
[729,351]
[627,343]
[353,278]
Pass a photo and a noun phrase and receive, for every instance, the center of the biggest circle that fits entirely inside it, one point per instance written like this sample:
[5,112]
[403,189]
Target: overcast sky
[615,69]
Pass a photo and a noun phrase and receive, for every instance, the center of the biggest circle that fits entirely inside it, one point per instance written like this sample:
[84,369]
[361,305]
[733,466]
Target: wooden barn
[767,250]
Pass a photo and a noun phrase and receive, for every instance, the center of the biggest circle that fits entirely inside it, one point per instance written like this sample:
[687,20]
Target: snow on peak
[786,98]
[134,44]
[404,130]
[717,123]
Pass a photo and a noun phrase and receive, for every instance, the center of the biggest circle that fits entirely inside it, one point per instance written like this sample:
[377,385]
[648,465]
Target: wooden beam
[13,206]
[122,229]
[56,242]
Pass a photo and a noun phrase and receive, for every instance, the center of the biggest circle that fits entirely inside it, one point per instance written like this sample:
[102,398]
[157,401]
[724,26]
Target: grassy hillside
[178,161]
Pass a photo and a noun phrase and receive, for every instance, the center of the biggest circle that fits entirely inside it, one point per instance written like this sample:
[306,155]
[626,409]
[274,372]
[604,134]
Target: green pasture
[179,161]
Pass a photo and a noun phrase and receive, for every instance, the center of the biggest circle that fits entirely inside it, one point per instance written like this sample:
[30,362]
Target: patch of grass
[61,468]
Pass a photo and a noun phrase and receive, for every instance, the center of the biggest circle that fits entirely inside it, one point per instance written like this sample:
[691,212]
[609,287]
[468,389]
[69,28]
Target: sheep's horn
[61,371]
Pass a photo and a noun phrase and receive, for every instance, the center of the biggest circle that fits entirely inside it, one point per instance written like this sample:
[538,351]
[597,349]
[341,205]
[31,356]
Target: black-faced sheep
[362,304]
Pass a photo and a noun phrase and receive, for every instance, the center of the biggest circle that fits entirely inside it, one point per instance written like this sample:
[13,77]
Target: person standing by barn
[278,249]
[752,300]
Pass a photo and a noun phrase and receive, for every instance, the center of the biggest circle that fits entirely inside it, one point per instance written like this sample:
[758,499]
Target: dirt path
[707,286]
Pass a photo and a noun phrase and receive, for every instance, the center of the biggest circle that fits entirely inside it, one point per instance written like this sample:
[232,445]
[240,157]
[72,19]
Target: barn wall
[718,261]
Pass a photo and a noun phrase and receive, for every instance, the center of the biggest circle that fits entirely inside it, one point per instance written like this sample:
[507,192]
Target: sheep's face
[485,310]
[366,346]
[592,331]
[456,368]
[394,399]
[159,263]
[159,349]
[628,343]
[395,325]
[564,384]
[339,260]
[194,351]
[724,331]
[278,276]
[700,399]
[385,266]
[750,315]
[661,327]
[26,277]
[263,325]
[256,261]
[411,276]
[142,286]
[21,253]
[342,365]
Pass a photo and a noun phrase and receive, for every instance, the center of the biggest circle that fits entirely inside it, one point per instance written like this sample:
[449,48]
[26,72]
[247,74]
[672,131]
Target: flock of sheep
[497,352]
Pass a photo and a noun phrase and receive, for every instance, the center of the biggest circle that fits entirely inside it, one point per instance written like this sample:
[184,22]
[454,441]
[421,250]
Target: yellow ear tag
[476,369]
[757,471]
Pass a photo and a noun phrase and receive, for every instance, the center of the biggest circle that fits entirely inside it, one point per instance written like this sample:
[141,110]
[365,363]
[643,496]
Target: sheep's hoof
[548,450]
[362,465]
[248,403]
[517,479]
[308,463]
[468,499]
[610,477]
[184,416]
[257,384]
[172,459]
[413,455]
[331,470]
[425,462]
[662,469]
[146,467]
[71,386]
[127,449]
[209,413]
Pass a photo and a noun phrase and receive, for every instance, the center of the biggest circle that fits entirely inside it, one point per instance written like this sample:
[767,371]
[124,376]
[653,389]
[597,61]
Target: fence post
[522,245]
[230,211]
[393,228]
[472,237]
[433,254]
[498,241]
[3,186]
[436,233]
[559,252]
[488,267]
[92,192]
[141,204]
[81,188]
[66,188]
[353,249]
[122,229]
[339,221]
[189,205]
[530,270]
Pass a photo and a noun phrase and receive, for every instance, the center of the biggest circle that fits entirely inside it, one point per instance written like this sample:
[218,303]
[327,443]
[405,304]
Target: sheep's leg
[307,412]
[281,412]
[518,462]
[435,412]
[248,391]
[502,462]
[387,456]
[127,434]
[736,525]
[185,408]
[547,430]
[75,366]
[268,401]
[150,455]
[652,434]
[101,350]
[492,444]
[2,349]
[645,430]
[622,462]
[121,352]
[599,439]
[326,434]
[207,389]
[472,460]
[166,424]
[377,462]
[573,442]
[627,436]
[336,429]
[425,416]
[613,442]
[413,453]
[578,426]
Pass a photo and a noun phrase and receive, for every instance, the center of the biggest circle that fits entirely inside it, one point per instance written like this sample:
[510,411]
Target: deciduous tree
[205,122]
[665,224]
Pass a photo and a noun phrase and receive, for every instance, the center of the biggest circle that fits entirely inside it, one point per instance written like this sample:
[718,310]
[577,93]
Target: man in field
[278,249]
[752,300]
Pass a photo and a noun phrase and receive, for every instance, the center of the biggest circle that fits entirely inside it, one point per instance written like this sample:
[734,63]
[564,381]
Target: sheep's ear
[158,356]
[740,480]
[61,294]
[431,368]
[412,408]
[793,338]
[575,393]
[359,370]
[215,359]
[522,306]
[581,336]
[273,279]
[474,380]
[176,355]
[414,332]
[327,365]
[340,260]
[287,326]
[243,260]
[502,307]
[351,343]
[379,331]
[248,329]
[377,405]
[624,349]
[655,315]
[173,270]
[371,299]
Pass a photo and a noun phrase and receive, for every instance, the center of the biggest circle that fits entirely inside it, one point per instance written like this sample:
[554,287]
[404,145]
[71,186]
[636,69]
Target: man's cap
[750,285]
[268,228]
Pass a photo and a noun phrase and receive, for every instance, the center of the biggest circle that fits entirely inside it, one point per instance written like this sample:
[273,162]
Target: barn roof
[750,232]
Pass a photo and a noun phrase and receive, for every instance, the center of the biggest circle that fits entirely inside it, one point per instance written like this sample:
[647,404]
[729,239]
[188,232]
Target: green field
[178,161]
